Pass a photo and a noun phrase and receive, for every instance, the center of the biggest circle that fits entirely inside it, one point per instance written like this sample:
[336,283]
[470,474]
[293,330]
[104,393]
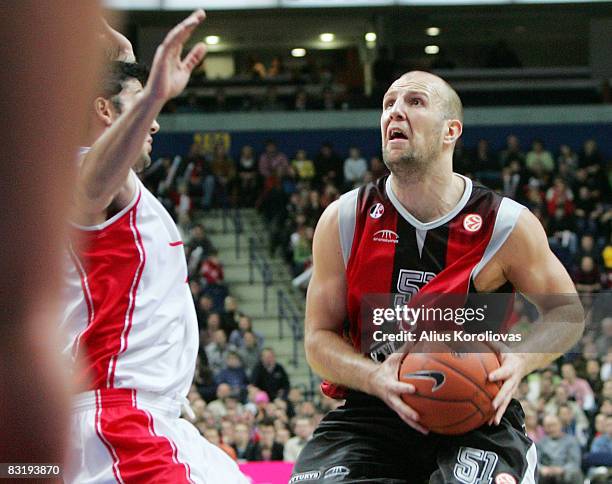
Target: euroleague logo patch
[504,478]
[377,210]
[472,222]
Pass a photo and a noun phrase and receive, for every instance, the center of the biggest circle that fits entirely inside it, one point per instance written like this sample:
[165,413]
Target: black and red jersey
[386,250]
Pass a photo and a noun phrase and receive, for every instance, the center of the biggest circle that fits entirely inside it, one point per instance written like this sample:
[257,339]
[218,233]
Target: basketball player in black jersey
[376,436]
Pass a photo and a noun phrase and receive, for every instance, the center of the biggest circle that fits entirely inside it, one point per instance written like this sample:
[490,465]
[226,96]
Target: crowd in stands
[242,397]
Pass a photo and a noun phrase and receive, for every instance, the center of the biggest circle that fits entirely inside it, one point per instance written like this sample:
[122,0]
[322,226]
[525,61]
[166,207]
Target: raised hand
[169,73]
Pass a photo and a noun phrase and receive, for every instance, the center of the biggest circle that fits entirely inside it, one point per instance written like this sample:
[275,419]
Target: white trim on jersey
[417,224]
[347,214]
[532,465]
[90,305]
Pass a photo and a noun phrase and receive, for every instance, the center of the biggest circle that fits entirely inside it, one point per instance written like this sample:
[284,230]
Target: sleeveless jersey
[388,251]
[129,317]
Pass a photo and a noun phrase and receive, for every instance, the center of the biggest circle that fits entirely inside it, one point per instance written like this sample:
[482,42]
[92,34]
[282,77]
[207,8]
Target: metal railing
[259,262]
[289,315]
[233,215]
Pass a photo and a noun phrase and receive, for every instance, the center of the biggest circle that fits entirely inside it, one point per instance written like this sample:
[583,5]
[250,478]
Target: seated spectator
[199,247]
[203,309]
[217,350]
[303,433]
[249,352]
[270,376]
[212,269]
[601,449]
[561,398]
[567,158]
[266,449]
[591,158]
[212,435]
[304,167]
[234,375]
[328,100]
[301,245]
[539,161]
[571,426]
[217,407]
[532,427]
[577,388]
[328,165]
[586,277]
[511,152]
[301,102]
[377,168]
[355,167]
[593,371]
[559,455]
[271,160]
[245,325]
[559,196]
[230,316]
[243,444]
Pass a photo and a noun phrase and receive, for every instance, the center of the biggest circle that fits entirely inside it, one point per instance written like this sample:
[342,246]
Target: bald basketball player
[452,236]
[129,320]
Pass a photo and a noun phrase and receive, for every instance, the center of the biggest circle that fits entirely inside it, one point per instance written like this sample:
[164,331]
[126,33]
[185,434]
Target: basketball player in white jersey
[129,316]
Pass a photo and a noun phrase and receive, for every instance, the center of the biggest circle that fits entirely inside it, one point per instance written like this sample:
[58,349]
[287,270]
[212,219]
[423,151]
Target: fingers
[502,373]
[179,34]
[406,413]
[195,56]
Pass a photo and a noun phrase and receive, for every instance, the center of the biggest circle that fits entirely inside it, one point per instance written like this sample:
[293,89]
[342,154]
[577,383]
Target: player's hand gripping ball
[453,394]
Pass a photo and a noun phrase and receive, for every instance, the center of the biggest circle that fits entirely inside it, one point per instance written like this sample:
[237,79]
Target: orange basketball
[453,394]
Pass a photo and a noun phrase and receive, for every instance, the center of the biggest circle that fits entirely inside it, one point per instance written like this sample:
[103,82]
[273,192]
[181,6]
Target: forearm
[334,359]
[558,331]
[106,166]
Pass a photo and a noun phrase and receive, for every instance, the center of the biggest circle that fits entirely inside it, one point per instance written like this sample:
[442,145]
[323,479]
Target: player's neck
[431,197]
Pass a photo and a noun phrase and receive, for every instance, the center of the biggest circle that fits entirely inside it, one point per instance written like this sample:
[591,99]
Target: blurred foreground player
[448,236]
[48,54]
[130,319]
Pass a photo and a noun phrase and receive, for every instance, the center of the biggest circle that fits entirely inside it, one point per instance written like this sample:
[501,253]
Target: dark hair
[115,74]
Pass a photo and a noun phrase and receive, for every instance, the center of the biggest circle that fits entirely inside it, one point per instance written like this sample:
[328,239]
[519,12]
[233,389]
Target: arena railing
[259,262]
[231,214]
[289,315]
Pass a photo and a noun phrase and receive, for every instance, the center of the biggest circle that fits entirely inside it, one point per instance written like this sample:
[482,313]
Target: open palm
[169,73]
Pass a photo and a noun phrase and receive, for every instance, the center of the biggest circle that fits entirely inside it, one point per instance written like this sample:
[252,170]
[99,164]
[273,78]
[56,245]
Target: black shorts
[366,441]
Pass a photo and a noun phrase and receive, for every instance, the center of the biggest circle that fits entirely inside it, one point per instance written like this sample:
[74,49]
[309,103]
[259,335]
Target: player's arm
[328,353]
[529,264]
[105,169]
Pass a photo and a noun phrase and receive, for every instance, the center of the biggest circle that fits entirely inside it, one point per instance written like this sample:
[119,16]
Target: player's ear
[454,128]
[104,111]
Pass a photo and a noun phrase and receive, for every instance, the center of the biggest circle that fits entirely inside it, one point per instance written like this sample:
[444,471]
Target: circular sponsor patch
[472,222]
[377,210]
[504,478]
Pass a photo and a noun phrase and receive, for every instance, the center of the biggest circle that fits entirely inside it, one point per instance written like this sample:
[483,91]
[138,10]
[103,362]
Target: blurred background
[283,117]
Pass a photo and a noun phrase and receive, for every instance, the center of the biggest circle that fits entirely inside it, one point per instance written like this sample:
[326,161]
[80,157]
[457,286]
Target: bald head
[446,96]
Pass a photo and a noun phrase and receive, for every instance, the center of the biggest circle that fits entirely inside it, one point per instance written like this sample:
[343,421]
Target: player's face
[131,92]
[412,121]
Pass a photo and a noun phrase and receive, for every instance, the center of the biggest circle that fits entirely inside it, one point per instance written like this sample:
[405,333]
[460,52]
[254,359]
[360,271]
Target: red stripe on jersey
[129,433]
[175,244]
[113,259]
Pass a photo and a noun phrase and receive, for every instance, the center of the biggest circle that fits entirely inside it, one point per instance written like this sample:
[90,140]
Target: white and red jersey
[129,316]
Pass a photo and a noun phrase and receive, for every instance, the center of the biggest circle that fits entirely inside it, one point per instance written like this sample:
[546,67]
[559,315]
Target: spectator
[230,317]
[559,196]
[301,245]
[590,157]
[304,167]
[217,407]
[603,442]
[266,449]
[249,352]
[303,433]
[271,160]
[377,168]
[243,445]
[571,426]
[587,278]
[212,435]
[355,167]
[301,102]
[593,371]
[561,398]
[212,269]
[328,165]
[567,158]
[600,454]
[234,375]
[217,350]
[270,376]
[247,176]
[199,247]
[539,161]
[532,427]
[559,455]
[204,307]
[511,152]
[577,388]
[245,325]
[271,102]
